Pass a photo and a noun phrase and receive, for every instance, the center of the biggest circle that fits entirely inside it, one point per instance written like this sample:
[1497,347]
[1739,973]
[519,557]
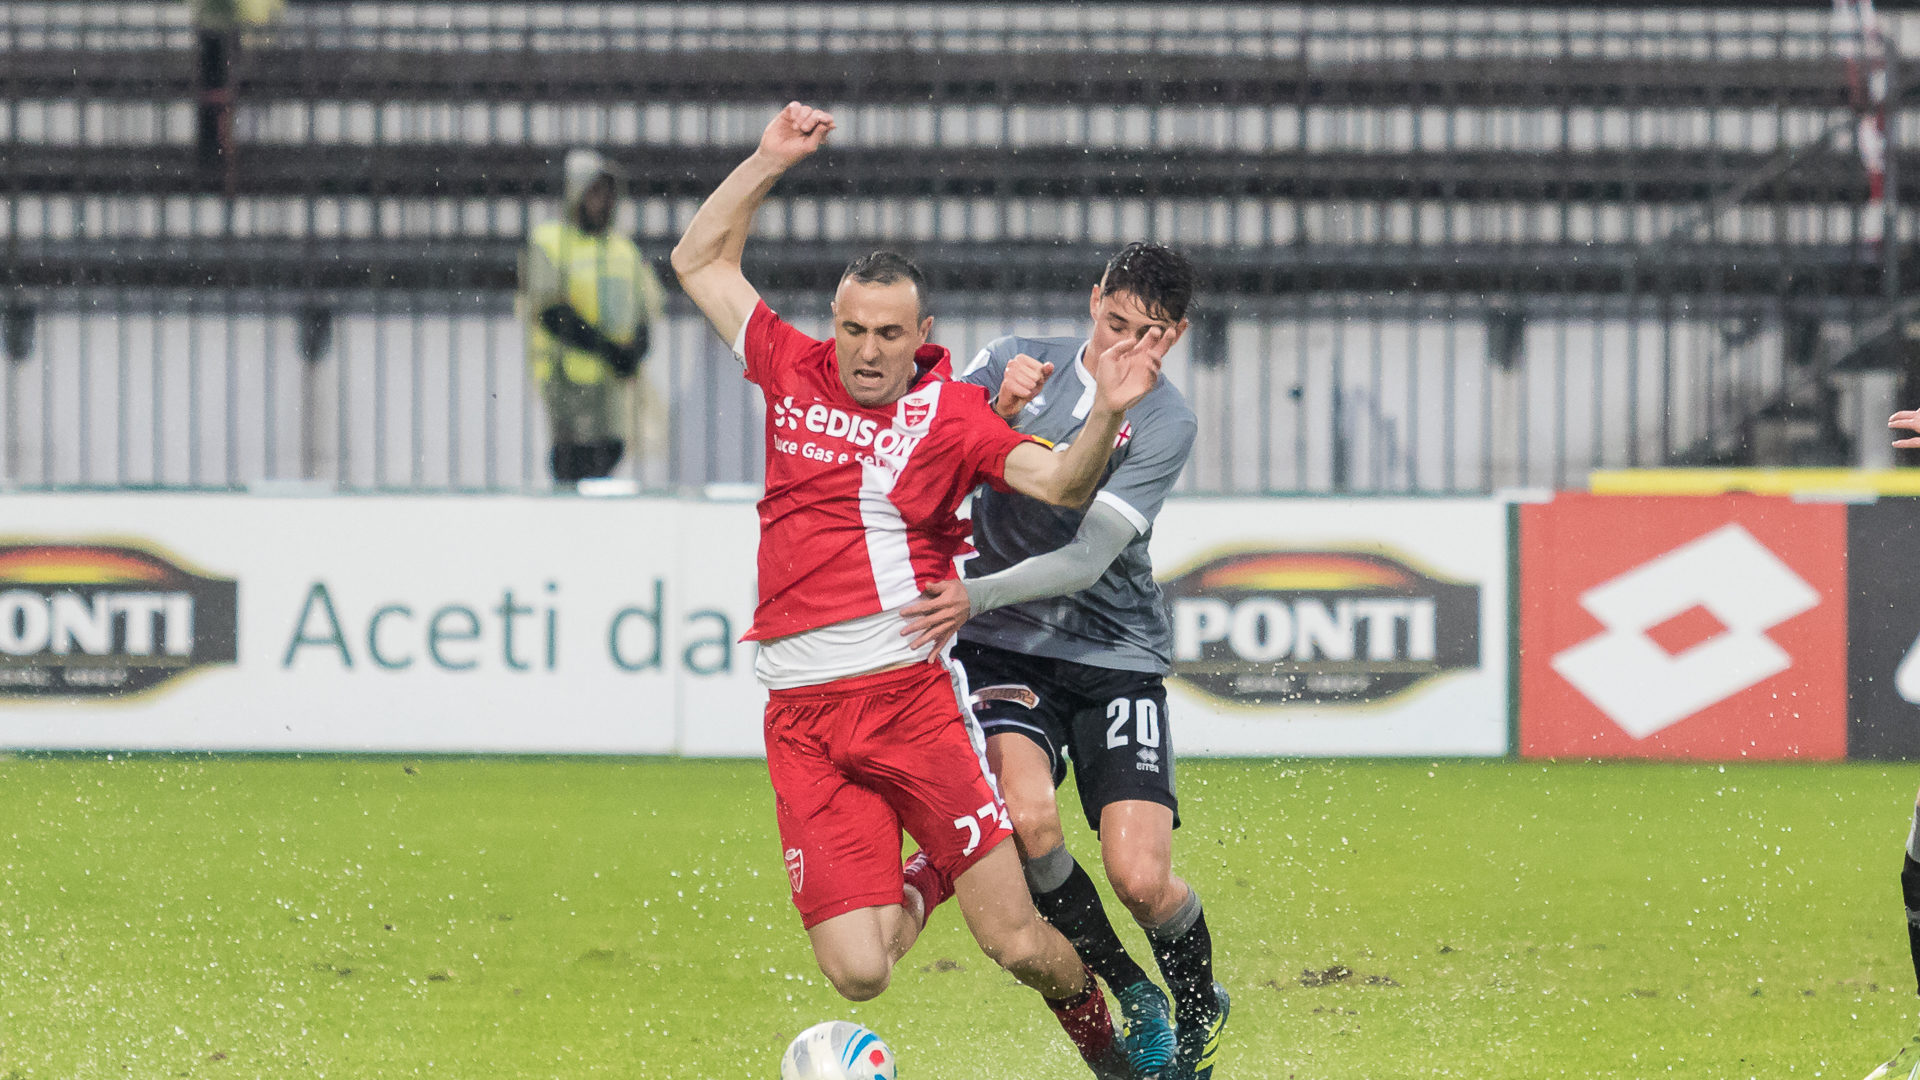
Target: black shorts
[1111,724]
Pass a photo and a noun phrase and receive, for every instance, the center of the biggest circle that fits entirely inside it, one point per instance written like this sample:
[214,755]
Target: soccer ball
[837,1050]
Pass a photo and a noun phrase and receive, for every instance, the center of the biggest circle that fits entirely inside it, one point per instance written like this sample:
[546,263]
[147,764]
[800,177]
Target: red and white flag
[1856,31]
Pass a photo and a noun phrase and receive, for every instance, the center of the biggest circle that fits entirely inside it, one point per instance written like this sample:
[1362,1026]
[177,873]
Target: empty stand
[1690,182]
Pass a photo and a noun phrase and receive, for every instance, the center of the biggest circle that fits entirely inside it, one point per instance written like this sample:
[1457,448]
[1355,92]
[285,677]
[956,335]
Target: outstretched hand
[1906,420]
[795,132]
[1130,367]
[1022,382]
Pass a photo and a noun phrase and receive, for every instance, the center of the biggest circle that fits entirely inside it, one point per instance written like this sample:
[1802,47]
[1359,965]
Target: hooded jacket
[602,277]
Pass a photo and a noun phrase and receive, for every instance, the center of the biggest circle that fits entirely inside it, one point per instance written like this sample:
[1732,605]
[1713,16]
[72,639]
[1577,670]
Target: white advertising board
[239,622]
[562,625]
[1336,627]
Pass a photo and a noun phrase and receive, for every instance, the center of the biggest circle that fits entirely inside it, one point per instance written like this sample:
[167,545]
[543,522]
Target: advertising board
[383,624]
[1682,627]
[557,625]
[1883,630]
[1336,627]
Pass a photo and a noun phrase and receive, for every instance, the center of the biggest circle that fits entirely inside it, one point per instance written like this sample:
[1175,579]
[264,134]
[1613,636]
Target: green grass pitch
[325,917]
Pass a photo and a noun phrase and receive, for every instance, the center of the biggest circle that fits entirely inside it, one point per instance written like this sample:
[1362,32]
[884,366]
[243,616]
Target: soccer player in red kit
[870,450]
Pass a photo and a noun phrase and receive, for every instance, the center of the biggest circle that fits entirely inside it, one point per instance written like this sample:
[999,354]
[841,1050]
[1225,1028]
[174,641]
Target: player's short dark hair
[885,268]
[1159,276]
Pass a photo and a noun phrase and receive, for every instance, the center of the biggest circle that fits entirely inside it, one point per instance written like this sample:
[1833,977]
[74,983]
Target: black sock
[1910,892]
[1075,910]
[1184,949]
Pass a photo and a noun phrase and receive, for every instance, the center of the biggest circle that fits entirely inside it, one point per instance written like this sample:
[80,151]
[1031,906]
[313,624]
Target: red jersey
[858,516]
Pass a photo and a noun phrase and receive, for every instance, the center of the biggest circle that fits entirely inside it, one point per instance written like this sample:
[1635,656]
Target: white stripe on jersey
[1134,517]
[887,549]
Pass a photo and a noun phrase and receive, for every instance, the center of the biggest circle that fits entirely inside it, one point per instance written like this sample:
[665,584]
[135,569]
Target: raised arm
[1122,376]
[707,259]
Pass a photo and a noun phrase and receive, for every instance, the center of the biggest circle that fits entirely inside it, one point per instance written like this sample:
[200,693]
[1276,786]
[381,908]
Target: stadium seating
[315,62]
[1666,211]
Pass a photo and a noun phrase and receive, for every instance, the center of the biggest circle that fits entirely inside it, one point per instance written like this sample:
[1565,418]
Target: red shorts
[856,760]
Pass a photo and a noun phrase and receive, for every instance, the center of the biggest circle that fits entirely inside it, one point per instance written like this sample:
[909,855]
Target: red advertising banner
[1677,627]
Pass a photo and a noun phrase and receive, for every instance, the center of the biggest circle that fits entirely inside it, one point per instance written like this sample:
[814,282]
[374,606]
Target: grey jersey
[1120,621]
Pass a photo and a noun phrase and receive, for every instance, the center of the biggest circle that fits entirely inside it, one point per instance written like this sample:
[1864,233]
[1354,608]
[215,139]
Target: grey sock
[1913,836]
[1048,872]
[1180,921]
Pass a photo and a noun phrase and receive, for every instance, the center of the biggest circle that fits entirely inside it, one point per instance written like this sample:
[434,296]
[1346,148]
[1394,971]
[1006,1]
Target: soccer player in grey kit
[1065,643]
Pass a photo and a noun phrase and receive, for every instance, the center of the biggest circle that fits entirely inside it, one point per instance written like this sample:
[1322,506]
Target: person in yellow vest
[589,301]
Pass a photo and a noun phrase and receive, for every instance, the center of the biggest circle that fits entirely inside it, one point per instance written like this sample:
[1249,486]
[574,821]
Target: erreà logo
[1302,627]
[87,620]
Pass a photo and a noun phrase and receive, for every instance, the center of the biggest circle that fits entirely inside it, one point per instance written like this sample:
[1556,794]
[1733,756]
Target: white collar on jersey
[1085,405]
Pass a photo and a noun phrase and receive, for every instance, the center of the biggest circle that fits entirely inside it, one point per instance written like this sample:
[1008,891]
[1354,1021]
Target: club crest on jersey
[914,414]
[796,868]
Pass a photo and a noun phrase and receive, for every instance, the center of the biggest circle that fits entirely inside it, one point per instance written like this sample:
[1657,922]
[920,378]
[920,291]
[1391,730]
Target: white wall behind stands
[1324,397]
[572,625]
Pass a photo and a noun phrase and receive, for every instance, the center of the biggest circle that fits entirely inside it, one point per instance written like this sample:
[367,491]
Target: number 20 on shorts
[1145,714]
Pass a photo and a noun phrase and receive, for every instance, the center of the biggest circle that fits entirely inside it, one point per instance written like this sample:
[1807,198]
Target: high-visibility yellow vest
[226,14]
[606,281]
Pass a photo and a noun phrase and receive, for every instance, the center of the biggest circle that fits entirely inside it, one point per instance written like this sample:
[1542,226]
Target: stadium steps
[325,70]
[1064,172]
[319,65]
[1009,267]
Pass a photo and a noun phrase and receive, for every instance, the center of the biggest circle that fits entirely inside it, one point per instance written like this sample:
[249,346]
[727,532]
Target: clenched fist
[797,131]
[1022,382]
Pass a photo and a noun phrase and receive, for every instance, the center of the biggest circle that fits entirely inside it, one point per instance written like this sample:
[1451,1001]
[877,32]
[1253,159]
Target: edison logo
[84,620]
[1303,627]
